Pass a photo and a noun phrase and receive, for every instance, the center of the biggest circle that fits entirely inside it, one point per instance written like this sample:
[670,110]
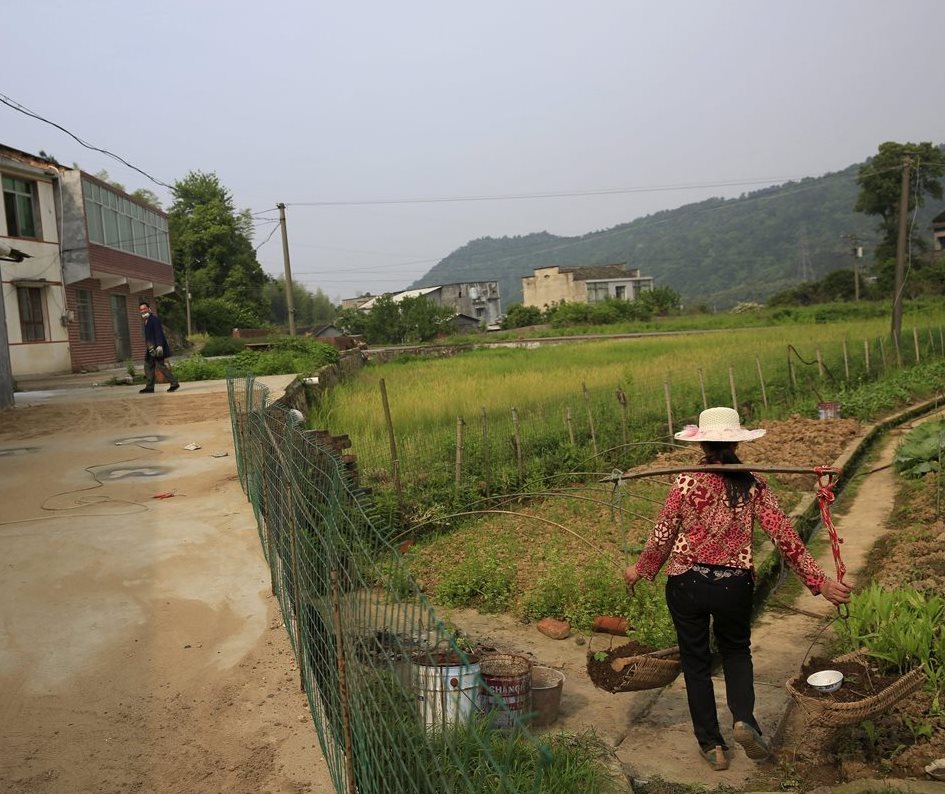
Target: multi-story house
[592,284]
[88,254]
[475,301]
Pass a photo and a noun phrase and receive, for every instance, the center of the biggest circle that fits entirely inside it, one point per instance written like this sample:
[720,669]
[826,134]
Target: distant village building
[938,232]
[591,284]
[356,303]
[474,302]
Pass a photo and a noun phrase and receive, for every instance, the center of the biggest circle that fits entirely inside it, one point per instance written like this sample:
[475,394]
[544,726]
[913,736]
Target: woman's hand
[631,577]
[836,593]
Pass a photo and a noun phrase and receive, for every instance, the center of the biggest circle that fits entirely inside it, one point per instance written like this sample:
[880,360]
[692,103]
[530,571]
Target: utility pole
[289,300]
[857,250]
[187,300]
[901,251]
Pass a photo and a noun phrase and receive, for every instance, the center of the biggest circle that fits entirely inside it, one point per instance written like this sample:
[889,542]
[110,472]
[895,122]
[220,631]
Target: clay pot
[610,624]
[556,629]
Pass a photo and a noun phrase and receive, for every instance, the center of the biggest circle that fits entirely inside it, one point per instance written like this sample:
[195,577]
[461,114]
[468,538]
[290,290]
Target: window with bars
[32,324]
[18,204]
[86,315]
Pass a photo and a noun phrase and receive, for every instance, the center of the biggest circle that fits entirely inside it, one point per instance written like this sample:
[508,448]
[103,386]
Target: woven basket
[645,672]
[835,714]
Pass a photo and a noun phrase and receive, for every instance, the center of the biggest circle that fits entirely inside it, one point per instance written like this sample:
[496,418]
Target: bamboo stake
[590,418]
[459,452]
[731,383]
[569,423]
[915,340]
[846,361]
[941,339]
[898,351]
[624,413]
[486,457]
[667,393]
[394,460]
[518,443]
[761,379]
[792,373]
[820,364]
[343,684]
[882,352]
[866,355]
[705,402]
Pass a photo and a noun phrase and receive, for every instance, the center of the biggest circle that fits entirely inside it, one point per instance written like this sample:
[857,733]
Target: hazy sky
[307,102]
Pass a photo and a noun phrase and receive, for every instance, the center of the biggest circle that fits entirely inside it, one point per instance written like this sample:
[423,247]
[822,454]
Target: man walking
[157,350]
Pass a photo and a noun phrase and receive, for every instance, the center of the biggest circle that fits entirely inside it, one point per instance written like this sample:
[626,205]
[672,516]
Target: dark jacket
[154,335]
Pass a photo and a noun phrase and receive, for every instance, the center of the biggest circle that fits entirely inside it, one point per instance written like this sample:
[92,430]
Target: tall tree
[880,181]
[212,248]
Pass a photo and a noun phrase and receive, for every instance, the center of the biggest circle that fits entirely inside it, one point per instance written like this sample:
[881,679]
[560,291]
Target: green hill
[718,251]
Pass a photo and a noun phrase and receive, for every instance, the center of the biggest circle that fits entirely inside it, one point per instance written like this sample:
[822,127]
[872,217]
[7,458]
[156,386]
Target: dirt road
[140,648]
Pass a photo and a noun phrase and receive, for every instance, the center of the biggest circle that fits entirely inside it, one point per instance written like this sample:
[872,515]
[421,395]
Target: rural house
[938,232]
[88,253]
[590,284]
[478,300]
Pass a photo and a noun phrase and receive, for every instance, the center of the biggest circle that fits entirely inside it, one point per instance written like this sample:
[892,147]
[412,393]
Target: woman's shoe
[756,748]
[716,758]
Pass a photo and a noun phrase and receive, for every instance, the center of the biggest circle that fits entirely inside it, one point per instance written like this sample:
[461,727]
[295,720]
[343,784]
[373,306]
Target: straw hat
[718,424]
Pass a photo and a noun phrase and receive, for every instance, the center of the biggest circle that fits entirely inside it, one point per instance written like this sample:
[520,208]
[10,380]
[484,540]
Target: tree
[147,197]
[310,308]
[880,181]
[422,320]
[518,316]
[660,300]
[212,249]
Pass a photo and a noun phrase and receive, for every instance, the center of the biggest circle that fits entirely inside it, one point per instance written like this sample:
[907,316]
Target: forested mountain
[718,252]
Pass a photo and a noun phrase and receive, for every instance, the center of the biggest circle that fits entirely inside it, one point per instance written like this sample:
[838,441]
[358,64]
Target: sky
[355,114]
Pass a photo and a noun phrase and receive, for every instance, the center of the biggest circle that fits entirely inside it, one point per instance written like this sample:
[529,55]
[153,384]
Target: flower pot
[610,624]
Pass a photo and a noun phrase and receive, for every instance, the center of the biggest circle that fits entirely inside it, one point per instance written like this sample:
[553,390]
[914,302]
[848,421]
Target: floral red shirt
[696,525]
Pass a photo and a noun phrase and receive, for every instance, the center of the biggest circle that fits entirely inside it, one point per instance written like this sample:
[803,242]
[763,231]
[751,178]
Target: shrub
[222,346]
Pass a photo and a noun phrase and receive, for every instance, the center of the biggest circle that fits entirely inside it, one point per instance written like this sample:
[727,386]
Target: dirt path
[140,649]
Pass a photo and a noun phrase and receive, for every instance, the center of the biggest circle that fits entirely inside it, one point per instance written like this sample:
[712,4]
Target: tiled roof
[597,272]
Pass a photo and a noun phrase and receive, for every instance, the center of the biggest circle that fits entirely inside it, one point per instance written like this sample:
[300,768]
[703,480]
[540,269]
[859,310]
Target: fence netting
[393,695]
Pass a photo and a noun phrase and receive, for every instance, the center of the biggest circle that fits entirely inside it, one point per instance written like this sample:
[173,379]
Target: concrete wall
[549,286]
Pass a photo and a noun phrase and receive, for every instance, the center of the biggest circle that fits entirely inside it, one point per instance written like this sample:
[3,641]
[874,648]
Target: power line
[272,232]
[27,112]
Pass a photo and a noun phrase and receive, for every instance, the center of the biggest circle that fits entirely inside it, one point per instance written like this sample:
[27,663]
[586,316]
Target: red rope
[826,480]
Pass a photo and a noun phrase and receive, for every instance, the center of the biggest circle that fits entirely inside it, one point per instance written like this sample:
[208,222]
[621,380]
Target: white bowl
[826,680]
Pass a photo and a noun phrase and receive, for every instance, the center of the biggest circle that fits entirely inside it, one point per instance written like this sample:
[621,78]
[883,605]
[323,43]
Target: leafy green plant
[222,346]
[480,579]
[902,627]
[920,450]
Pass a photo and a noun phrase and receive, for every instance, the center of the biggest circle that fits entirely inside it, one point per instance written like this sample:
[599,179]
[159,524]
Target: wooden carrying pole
[723,468]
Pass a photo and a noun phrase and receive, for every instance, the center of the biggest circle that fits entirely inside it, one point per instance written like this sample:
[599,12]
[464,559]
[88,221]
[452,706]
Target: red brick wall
[101,353]
[124,264]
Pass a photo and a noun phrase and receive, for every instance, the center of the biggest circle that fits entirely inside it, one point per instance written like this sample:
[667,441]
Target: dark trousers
[693,599]
[151,364]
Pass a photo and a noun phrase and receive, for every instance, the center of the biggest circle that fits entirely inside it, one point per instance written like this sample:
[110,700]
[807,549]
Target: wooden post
[486,457]
[705,402]
[820,364]
[931,344]
[296,583]
[792,373]
[342,684]
[667,393]
[459,453]
[624,414]
[941,340]
[394,460]
[518,444]
[569,423]
[590,418]
[882,353]
[866,355]
[898,351]
[846,361]
[915,340]
[731,383]
[761,379]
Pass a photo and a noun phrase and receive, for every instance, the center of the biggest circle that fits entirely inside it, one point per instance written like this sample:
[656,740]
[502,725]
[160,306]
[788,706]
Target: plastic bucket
[445,687]
[828,410]
[508,683]
[547,684]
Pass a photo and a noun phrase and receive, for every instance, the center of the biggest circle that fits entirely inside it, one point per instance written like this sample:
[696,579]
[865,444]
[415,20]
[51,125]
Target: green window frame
[85,310]
[19,204]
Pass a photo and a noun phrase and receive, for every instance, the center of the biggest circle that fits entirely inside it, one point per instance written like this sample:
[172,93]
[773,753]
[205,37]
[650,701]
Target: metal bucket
[446,688]
[508,683]
[547,684]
